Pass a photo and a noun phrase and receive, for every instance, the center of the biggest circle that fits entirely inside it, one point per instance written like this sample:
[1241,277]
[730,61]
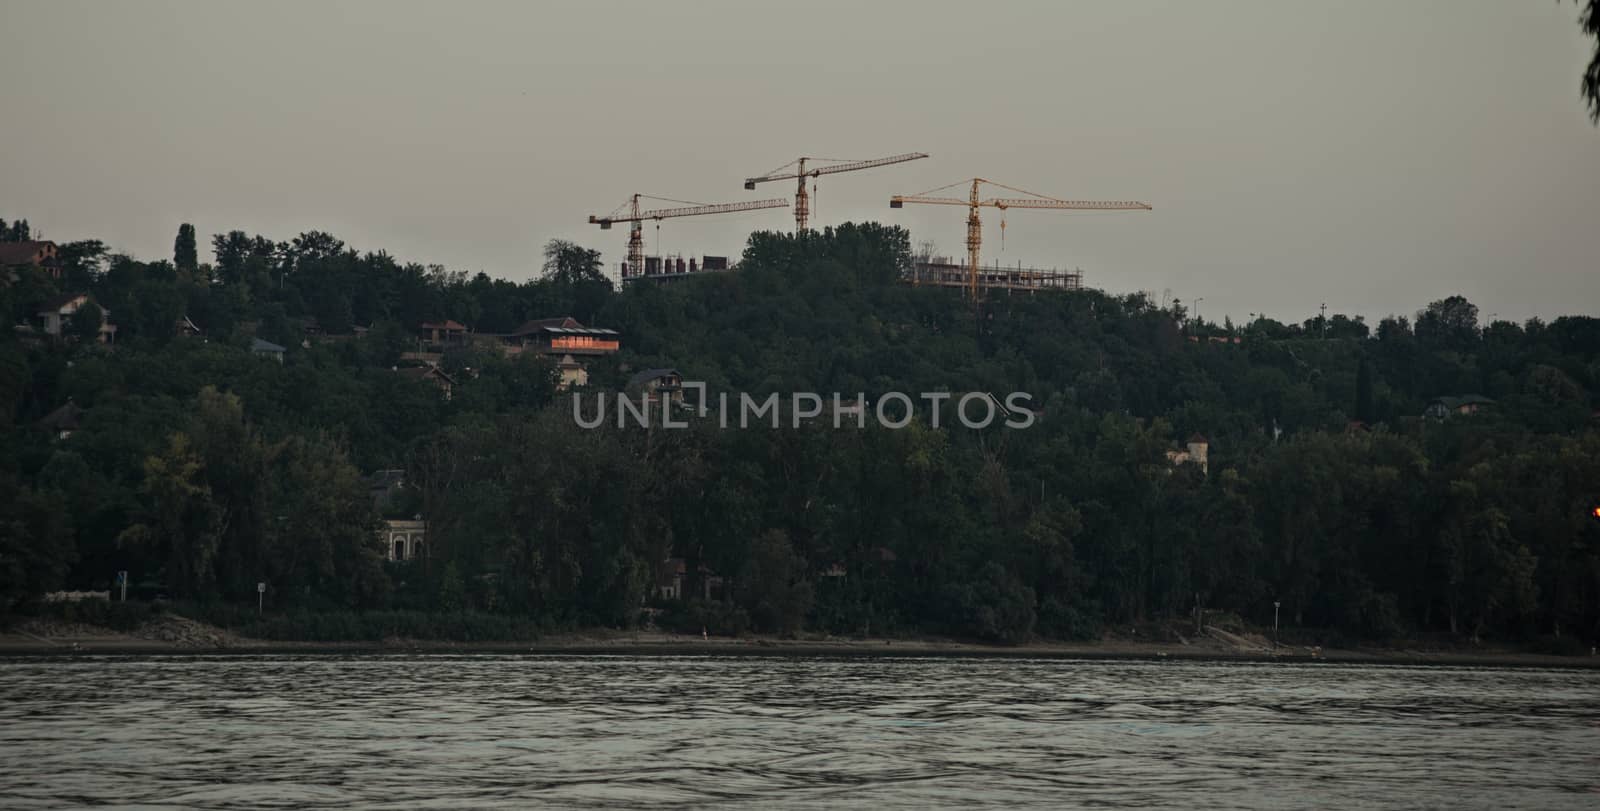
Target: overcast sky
[1370,155]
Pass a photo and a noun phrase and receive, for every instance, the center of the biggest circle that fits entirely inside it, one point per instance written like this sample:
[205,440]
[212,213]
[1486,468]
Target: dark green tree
[86,322]
[1366,407]
[1590,21]
[185,254]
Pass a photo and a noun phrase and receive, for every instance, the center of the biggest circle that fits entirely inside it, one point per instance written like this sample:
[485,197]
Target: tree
[15,378]
[1590,20]
[452,595]
[575,282]
[1450,323]
[1074,526]
[156,306]
[86,322]
[322,536]
[567,263]
[773,586]
[184,252]
[1366,409]
[182,522]
[35,543]
[82,263]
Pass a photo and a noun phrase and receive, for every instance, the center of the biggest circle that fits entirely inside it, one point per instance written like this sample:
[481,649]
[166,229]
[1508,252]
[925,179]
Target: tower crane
[974,202]
[798,169]
[630,212]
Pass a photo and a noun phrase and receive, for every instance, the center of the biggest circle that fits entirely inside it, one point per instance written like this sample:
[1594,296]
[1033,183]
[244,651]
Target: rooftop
[65,418]
[57,302]
[1463,400]
[425,372]
[22,253]
[648,375]
[564,325]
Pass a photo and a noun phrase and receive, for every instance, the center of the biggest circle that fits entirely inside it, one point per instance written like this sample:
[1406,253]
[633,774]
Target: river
[482,731]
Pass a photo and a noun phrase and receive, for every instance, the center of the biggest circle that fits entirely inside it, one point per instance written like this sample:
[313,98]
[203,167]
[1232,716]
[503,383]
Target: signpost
[122,582]
[261,591]
[1275,605]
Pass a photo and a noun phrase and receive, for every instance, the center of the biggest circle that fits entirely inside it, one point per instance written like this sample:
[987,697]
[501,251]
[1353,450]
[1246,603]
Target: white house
[56,314]
[404,540]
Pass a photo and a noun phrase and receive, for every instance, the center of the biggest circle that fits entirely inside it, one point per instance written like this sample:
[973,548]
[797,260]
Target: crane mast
[797,170]
[631,213]
[975,224]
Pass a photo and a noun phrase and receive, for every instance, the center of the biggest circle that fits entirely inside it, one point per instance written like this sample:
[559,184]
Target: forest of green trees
[203,469]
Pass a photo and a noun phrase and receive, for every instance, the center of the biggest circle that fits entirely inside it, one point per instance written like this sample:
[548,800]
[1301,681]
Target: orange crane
[630,212]
[797,169]
[975,227]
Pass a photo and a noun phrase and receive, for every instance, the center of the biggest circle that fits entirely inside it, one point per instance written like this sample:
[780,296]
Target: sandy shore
[198,639]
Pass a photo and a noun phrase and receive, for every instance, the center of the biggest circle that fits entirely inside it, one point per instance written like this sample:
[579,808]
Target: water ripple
[492,731]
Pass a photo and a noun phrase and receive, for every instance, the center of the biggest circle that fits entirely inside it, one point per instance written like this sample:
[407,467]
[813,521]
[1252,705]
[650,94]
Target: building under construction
[943,271]
[673,267]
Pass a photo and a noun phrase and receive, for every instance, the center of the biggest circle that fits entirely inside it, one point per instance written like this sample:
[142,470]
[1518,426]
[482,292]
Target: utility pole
[1323,319]
[1275,605]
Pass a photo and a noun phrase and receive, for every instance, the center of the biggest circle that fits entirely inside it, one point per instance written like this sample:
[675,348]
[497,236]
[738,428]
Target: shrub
[1559,645]
[375,626]
[997,607]
[117,616]
[691,617]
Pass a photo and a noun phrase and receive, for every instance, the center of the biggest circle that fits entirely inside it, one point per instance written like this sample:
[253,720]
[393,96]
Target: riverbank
[178,635]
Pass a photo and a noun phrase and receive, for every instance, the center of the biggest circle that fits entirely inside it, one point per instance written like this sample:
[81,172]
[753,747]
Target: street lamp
[1275,606]
[1197,308]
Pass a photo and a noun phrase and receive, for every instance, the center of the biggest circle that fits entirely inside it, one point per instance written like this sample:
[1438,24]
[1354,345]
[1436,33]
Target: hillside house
[441,335]
[405,540]
[669,578]
[432,374]
[562,336]
[672,579]
[1196,451]
[41,254]
[266,349]
[658,385]
[63,421]
[55,316]
[565,340]
[571,372]
[1441,408]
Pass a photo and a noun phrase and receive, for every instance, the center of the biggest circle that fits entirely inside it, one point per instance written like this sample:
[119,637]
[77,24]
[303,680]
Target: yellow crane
[797,169]
[629,212]
[974,202]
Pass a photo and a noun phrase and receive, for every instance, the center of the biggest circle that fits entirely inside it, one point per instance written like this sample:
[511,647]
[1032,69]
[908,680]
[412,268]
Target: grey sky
[1372,155]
